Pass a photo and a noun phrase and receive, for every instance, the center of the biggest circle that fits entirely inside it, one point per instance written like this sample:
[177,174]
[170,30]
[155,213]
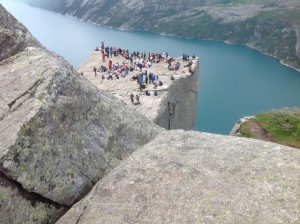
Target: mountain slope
[271,26]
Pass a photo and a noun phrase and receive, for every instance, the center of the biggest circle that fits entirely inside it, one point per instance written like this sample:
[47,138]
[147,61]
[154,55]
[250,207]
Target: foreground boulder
[190,177]
[59,133]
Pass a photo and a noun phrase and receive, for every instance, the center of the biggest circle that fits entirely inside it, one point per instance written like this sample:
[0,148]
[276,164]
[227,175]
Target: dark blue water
[234,81]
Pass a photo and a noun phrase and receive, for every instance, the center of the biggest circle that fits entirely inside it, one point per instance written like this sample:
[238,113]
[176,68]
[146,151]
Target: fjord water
[234,81]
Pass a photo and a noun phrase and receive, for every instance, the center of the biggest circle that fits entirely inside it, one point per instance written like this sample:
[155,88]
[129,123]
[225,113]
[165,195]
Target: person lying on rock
[102,68]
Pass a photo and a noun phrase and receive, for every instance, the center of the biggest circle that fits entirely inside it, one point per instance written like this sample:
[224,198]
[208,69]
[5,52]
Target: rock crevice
[30,196]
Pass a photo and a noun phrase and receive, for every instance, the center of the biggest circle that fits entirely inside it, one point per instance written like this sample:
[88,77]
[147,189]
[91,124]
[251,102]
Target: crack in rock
[31,196]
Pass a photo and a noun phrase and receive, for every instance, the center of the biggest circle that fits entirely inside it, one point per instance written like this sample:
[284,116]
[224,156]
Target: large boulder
[14,37]
[190,177]
[59,133]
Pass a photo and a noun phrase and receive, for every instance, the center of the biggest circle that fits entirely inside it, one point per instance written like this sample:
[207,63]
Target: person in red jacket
[109,64]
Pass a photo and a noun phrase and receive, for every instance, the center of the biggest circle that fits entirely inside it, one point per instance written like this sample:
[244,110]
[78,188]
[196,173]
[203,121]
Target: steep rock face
[14,37]
[59,134]
[178,110]
[271,27]
[190,177]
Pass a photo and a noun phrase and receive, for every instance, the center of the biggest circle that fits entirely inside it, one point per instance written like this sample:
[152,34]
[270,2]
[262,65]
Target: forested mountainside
[271,26]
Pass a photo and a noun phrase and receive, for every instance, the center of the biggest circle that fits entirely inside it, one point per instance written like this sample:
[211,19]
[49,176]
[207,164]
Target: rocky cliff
[175,106]
[271,26]
[178,108]
[59,133]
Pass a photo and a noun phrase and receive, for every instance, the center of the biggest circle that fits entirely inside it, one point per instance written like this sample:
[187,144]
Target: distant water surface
[234,81]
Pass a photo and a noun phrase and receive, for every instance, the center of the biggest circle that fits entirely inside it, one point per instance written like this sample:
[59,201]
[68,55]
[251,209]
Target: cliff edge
[174,106]
[60,135]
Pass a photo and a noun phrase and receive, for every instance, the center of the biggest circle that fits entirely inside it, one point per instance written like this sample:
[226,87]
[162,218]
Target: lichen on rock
[193,177]
[59,133]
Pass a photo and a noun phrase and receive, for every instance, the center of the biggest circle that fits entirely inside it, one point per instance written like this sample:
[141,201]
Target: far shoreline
[186,38]
[169,35]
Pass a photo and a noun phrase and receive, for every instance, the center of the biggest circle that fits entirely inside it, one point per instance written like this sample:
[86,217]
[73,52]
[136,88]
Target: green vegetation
[281,127]
[270,32]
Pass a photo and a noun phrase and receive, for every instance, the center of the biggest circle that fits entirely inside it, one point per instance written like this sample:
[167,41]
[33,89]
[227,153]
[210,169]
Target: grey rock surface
[190,177]
[179,108]
[17,206]
[59,133]
[14,37]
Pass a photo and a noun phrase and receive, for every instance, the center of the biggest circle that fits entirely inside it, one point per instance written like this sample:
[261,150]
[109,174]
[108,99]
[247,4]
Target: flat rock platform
[123,87]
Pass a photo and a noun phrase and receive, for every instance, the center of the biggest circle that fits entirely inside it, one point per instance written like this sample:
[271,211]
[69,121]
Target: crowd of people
[135,61]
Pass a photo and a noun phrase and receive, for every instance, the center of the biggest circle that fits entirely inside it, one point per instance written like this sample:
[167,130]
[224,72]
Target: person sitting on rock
[177,65]
[126,68]
[134,77]
[169,64]
[149,64]
[124,74]
[191,71]
[110,77]
[160,83]
[116,66]
[137,98]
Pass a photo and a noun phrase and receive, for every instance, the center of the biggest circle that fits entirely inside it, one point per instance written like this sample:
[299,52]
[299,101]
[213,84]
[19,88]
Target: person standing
[95,70]
[109,64]
[103,56]
[131,97]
